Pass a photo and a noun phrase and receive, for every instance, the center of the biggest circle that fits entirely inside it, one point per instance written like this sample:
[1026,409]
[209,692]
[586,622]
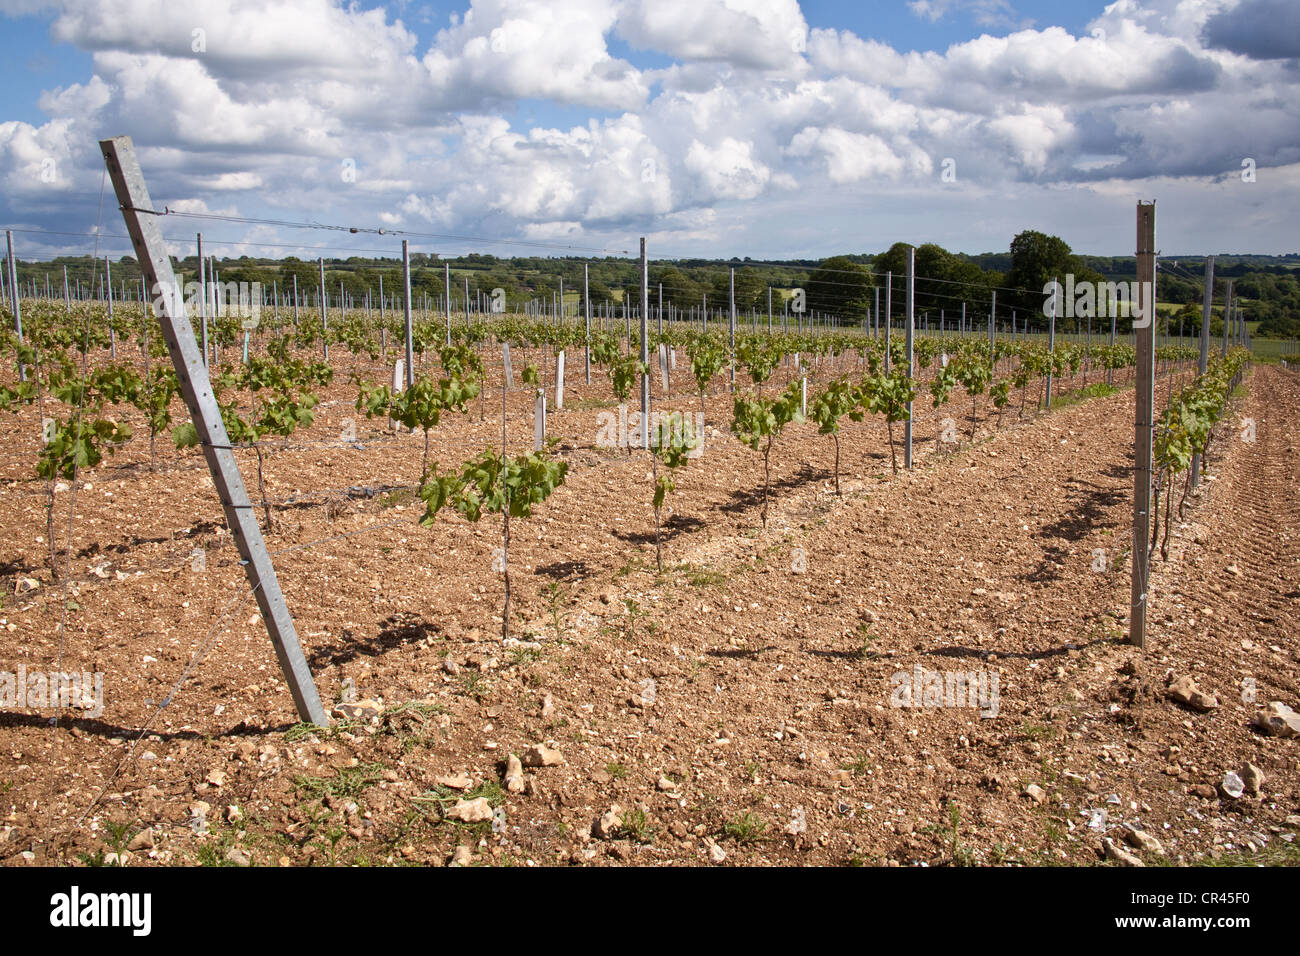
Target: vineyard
[608,643]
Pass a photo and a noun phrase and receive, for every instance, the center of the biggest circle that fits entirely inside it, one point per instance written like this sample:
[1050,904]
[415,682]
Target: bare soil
[737,708]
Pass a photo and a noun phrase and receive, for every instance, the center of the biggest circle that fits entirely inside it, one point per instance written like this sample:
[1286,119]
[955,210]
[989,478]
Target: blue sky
[767,128]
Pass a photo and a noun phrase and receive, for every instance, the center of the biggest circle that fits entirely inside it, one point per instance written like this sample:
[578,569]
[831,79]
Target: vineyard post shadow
[196,389]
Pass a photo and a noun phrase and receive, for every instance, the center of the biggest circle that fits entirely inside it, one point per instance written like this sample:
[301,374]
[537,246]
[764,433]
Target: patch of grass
[1277,853]
[632,565]
[398,496]
[117,837]
[1000,853]
[347,782]
[305,731]
[867,639]
[616,770]
[749,827]
[634,614]
[213,852]
[409,723]
[704,577]
[962,855]
[636,827]
[588,403]
[473,684]
[860,766]
[1095,390]
[1034,731]
[556,597]
[524,656]
[416,708]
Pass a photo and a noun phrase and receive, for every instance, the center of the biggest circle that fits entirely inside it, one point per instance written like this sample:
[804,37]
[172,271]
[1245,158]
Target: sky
[715,128]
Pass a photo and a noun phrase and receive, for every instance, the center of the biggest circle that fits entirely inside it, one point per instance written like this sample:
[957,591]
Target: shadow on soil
[674,527]
[743,500]
[399,629]
[984,652]
[102,728]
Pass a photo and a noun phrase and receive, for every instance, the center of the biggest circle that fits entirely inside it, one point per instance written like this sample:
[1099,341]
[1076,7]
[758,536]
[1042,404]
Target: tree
[840,286]
[308,276]
[750,289]
[1037,259]
[679,288]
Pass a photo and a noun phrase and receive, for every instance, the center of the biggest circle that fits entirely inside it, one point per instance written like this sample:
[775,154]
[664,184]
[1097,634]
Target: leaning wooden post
[196,389]
[1143,419]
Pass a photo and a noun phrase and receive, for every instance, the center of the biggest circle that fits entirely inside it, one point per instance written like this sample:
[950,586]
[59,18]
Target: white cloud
[744,119]
[759,34]
[508,49]
[850,157]
[727,170]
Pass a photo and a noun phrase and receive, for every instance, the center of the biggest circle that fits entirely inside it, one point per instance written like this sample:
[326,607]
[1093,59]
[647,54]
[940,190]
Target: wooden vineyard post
[645,348]
[1203,361]
[731,329]
[1114,312]
[889,314]
[446,288]
[13,298]
[1143,419]
[196,389]
[203,298]
[324,316]
[586,311]
[908,335]
[1227,313]
[406,312]
[993,309]
[1051,340]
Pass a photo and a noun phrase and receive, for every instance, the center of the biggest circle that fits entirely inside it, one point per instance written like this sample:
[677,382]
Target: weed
[347,782]
[860,766]
[636,827]
[746,828]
